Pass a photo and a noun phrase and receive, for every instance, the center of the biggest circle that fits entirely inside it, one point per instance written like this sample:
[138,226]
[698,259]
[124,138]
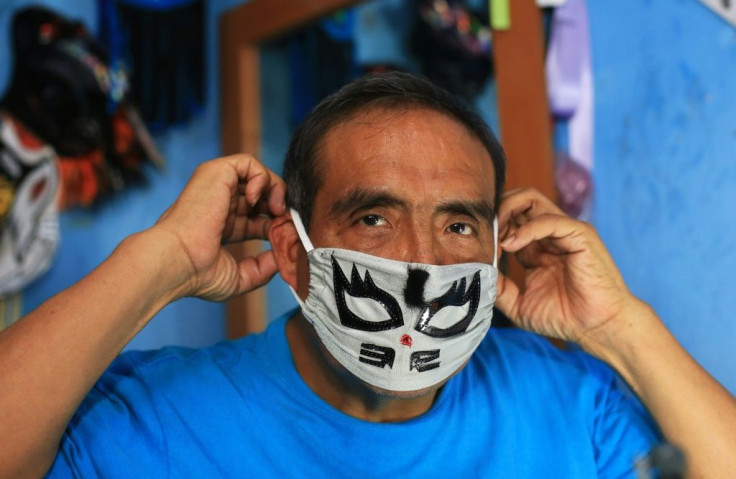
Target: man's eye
[460,228]
[373,220]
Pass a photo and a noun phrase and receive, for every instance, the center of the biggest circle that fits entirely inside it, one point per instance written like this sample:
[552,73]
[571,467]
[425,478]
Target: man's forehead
[366,136]
[403,155]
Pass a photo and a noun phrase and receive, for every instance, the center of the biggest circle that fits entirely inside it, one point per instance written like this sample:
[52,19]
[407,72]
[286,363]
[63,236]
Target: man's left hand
[572,290]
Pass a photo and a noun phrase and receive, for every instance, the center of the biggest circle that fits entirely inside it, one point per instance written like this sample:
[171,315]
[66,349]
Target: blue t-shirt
[520,408]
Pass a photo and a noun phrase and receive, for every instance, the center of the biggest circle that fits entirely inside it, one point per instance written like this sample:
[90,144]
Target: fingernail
[508,241]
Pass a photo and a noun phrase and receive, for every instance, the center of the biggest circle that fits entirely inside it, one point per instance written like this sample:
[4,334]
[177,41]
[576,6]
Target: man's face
[410,185]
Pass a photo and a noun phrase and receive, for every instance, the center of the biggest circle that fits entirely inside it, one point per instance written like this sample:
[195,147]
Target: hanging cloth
[162,43]
[64,91]
[571,97]
[453,45]
[321,60]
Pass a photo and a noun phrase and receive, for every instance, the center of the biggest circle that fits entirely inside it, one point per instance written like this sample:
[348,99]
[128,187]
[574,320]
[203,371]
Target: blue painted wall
[665,166]
[89,237]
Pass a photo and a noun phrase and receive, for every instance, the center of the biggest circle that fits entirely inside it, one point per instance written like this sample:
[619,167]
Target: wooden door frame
[522,103]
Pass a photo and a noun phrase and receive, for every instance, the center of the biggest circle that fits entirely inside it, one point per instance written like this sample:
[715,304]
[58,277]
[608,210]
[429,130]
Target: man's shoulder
[526,381]
[180,365]
[526,367]
[150,405]
[522,354]
[224,352]
[518,342]
[177,381]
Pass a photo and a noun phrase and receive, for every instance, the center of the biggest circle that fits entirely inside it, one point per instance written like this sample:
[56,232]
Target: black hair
[392,90]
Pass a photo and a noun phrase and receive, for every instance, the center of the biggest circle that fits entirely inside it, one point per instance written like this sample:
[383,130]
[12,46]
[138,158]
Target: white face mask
[398,326]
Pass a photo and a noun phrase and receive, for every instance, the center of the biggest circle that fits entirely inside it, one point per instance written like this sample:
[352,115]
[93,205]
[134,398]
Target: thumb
[255,271]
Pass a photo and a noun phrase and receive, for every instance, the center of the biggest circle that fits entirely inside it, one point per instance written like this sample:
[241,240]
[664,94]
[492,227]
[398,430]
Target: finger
[211,187]
[521,205]
[257,181]
[260,182]
[271,205]
[257,178]
[242,228]
[277,198]
[241,207]
[265,194]
[557,234]
[255,271]
[524,204]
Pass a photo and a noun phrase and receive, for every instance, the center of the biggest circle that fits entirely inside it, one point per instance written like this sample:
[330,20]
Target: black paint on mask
[455,296]
[414,289]
[378,356]
[424,360]
[363,288]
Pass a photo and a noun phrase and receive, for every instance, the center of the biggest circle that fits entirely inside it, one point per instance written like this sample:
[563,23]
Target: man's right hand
[51,358]
[227,200]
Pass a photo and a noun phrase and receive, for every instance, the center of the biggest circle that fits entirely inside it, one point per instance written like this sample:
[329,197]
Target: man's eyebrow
[475,209]
[359,199]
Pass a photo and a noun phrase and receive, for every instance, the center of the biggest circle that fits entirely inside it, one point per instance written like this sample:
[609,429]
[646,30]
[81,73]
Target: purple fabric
[568,57]
[570,81]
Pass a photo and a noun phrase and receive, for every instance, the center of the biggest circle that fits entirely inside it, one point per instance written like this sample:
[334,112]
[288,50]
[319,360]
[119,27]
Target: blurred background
[642,120]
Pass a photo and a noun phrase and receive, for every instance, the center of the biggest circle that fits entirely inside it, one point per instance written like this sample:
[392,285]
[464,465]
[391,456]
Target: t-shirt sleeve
[623,431]
[115,429]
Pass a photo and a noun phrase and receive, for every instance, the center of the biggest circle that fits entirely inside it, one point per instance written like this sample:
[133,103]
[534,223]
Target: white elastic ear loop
[300,230]
[305,241]
[296,296]
[495,241]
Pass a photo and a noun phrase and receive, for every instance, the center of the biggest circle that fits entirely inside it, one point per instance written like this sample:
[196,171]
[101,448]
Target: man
[385,370]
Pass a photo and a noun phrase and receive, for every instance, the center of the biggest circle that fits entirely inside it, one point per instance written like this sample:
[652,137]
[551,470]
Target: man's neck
[342,390]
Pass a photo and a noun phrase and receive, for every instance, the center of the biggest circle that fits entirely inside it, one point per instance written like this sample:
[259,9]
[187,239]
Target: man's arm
[573,291]
[50,359]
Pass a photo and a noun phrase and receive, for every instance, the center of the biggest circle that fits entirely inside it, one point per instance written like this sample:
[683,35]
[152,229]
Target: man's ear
[286,248]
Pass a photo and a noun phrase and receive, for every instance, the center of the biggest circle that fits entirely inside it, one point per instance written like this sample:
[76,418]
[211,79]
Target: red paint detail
[405,340]
[38,188]
[47,32]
